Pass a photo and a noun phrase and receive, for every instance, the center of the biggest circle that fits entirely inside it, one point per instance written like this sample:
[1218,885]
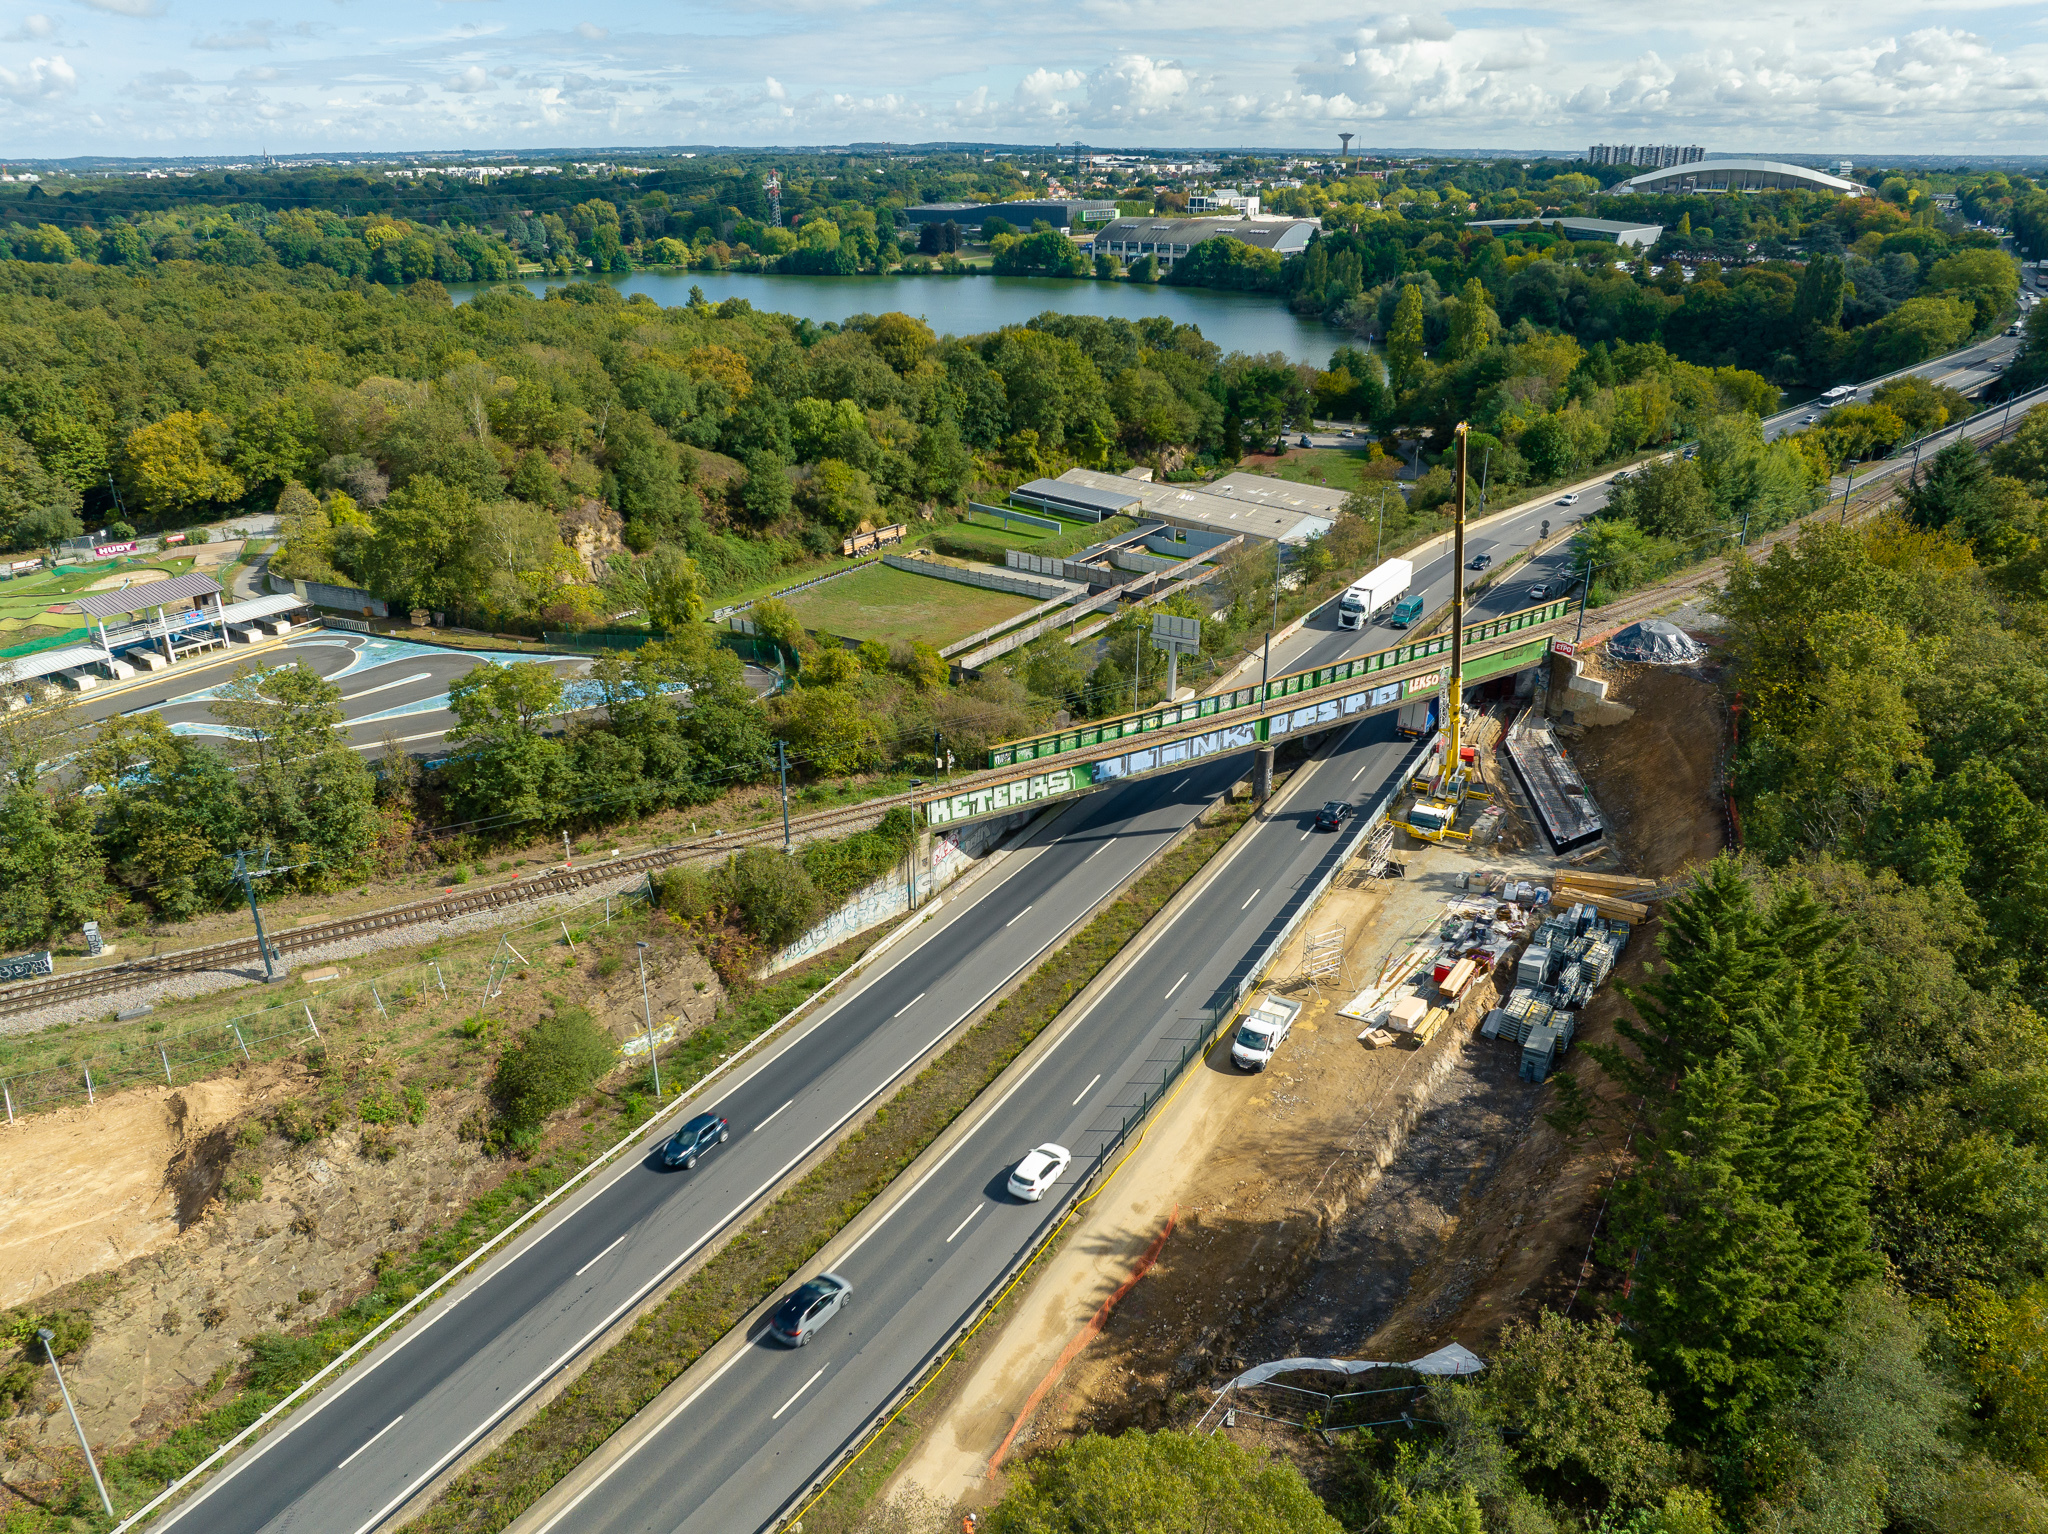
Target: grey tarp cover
[1658,642]
[1451,1359]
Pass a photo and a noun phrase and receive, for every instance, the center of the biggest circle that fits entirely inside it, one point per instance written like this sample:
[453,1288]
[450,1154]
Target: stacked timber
[1606,893]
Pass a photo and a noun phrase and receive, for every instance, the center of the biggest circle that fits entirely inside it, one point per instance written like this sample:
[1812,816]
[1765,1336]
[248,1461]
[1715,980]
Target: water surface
[1237,322]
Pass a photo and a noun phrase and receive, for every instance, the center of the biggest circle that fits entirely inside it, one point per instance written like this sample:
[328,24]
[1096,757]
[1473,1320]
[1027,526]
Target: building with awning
[183,618]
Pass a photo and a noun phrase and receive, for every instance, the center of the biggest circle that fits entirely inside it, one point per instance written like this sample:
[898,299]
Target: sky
[235,77]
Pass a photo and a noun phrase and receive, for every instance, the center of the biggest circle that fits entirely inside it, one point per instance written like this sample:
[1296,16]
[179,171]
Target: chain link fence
[467,981]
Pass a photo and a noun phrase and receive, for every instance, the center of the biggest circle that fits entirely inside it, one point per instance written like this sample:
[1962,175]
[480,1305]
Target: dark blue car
[693,1140]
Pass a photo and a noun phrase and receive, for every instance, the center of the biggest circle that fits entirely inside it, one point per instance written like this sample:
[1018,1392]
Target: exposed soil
[261,1199]
[1290,1240]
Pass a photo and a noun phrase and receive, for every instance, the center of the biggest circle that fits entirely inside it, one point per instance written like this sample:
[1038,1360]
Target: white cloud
[257,34]
[469,82]
[42,80]
[590,32]
[774,88]
[33,29]
[127,7]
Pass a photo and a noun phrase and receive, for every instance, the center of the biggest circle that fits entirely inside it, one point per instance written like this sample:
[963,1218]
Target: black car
[1331,815]
[1481,562]
[693,1140]
[798,1318]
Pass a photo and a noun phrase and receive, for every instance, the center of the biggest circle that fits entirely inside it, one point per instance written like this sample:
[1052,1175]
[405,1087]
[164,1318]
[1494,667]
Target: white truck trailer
[1373,593]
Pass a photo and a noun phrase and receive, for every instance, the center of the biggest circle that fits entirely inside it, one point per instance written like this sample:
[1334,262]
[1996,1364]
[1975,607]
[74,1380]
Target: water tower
[1347,138]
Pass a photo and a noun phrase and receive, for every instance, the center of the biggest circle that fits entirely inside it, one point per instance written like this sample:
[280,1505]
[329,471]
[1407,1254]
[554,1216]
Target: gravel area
[159,988]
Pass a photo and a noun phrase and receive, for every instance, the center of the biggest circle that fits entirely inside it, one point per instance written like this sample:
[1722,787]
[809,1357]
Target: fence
[464,981]
[720,614]
[1010,514]
[1016,585]
[1214,1022]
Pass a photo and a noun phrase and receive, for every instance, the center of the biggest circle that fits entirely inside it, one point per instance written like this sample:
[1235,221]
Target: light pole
[1585,596]
[647,1011]
[782,769]
[49,1338]
[1272,622]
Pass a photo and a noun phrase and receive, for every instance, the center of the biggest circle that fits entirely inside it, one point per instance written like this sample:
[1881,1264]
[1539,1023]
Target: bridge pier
[1262,777]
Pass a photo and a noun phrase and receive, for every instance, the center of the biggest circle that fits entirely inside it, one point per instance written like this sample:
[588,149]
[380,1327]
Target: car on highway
[693,1140]
[1481,562]
[1625,474]
[1569,498]
[1038,1171]
[1808,419]
[1540,591]
[1332,815]
[798,1318]
[1304,440]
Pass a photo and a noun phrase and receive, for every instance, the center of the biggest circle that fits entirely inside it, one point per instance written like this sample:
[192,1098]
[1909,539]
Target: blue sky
[231,77]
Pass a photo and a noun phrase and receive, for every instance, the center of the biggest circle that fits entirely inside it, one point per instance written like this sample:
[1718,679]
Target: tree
[1404,339]
[51,877]
[1582,1401]
[1163,1481]
[832,732]
[774,620]
[553,1063]
[307,794]
[180,461]
[1667,500]
[37,508]
[1473,322]
[428,546]
[666,585]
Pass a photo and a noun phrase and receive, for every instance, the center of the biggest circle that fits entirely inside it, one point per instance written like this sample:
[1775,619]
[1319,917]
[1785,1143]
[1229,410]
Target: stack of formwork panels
[1539,1054]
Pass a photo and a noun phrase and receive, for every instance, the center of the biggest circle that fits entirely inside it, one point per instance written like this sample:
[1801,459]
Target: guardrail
[1215,1024]
[1105,731]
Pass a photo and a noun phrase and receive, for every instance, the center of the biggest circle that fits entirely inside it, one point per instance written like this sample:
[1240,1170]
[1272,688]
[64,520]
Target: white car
[1569,498]
[1038,1171]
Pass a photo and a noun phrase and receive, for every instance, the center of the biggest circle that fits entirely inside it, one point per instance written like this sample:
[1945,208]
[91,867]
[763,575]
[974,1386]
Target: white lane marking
[907,1006]
[1175,986]
[1183,783]
[1087,1089]
[597,1259]
[1361,772]
[387,1427]
[1019,916]
[806,1385]
[1096,853]
[963,1224]
[681,1406]
[1305,834]
[350,697]
[1254,895]
[771,1118]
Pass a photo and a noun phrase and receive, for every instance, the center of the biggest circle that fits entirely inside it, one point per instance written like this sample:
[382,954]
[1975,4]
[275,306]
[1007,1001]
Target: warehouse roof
[1200,506]
[1107,499]
[114,604]
[1319,500]
[1281,234]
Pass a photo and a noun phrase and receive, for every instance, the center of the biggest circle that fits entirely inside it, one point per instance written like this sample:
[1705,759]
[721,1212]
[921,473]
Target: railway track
[242,954]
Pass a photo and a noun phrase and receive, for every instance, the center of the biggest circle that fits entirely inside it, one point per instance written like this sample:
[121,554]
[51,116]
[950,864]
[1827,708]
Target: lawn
[891,605]
[986,532]
[1337,467]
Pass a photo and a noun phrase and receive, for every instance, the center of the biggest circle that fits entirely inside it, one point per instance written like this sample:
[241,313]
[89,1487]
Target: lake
[1237,322]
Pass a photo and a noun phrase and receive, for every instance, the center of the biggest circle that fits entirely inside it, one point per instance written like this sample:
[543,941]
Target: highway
[445,1380]
[756,1433]
[736,1456]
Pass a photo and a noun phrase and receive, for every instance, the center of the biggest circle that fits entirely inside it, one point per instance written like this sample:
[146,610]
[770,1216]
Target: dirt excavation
[1351,1202]
[181,1222]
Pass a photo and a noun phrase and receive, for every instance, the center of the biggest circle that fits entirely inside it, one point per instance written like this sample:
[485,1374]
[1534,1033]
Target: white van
[1262,1032]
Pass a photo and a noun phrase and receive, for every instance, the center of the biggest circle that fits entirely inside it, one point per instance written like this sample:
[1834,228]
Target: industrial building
[1131,240]
[1638,236]
[1263,510]
[1655,156]
[1066,213]
[1739,176]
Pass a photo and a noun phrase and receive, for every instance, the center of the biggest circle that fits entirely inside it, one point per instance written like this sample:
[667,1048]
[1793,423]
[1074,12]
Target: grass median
[772,1246]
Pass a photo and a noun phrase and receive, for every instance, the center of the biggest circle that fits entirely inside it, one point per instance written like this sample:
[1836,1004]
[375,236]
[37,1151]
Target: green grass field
[1337,467]
[30,596]
[989,533]
[895,605]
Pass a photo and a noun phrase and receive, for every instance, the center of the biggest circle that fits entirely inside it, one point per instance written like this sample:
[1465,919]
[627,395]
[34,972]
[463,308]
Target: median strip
[760,1257]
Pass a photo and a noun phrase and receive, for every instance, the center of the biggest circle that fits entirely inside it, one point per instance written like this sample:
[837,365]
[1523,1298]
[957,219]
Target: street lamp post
[49,1340]
[647,1011]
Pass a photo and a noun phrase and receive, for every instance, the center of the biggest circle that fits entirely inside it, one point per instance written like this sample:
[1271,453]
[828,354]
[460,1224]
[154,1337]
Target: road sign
[1563,647]
[1183,636]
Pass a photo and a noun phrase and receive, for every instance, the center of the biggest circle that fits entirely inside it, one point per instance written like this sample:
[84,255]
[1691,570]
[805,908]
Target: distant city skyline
[210,78]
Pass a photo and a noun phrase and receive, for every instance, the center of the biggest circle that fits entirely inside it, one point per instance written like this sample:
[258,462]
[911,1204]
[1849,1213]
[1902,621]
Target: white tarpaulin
[1451,1359]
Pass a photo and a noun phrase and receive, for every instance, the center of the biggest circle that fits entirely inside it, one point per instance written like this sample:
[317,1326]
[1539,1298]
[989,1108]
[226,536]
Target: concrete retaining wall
[993,580]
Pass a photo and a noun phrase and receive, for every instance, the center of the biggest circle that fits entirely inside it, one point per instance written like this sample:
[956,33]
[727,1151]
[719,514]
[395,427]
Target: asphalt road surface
[754,1436]
[369,1441]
